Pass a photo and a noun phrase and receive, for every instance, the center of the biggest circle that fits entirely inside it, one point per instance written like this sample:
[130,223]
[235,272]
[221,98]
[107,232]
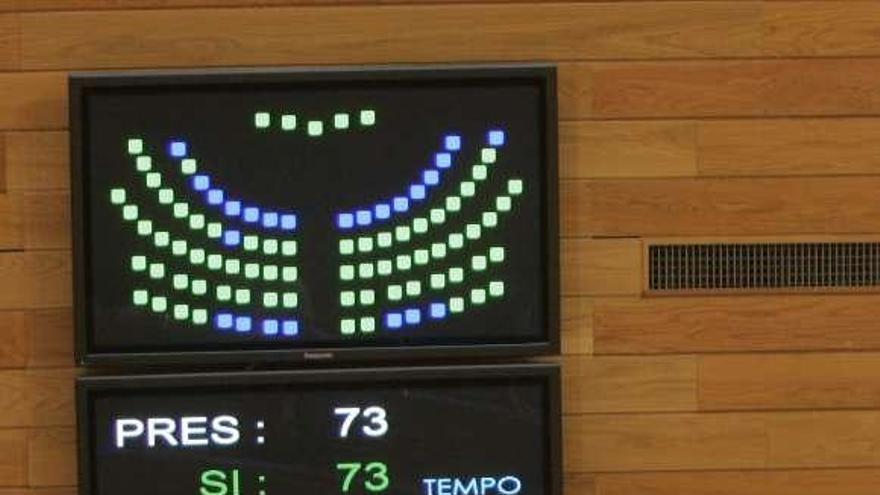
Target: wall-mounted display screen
[322,213]
[489,430]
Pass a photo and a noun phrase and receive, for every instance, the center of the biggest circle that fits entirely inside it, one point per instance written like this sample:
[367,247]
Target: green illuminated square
[289,300]
[367,297]
[490,219]
[346,298]
[289,274]
[215,230]
[368,117]
[215,262]
[413,288]
[251,270]
[456,274]
[140,297]
[288,248]
[199,316]
[404,262]
[178,247]
[138,263]
[288,122]
[224,293]
[130,212]
[453,203]
[478,296]
[154,180]
[251,243]
[365,270]
[515,186]
[496,254]
[159,304]
[438,281]
[270,299]
[346,272]
[438,250]
[270,246]
[348,326]
[135,146]
[199,287]
[181,312]
[315,128]
[340,121]
[384,239]
[232,266]
[502,203]
[421,257]
[384,267]
[365,244]
[270,273]
[346,246]
[180,210]
[478,263]
[262,120]
[402,233]
[456,240]
[197,256]
[472,231]
[480,172]
[180,281]
[166,196]
[161,239]
[496,288]
[143,163]
[197,221]
[420,225]
[368,324]
[467,189]
[157,271]
[242,296]
[488,155]
[438,216]
[188,166]
[395,292]
[117,196]
[456,304]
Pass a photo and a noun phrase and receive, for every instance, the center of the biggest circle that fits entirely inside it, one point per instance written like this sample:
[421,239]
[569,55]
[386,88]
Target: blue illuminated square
[412,316]
[223,320]
[345,220]
[363,217]
[401,204]
[438,310]
[496,137]
[251,214]
[290,327]
[232,238]
[382,211]
[232,208]
[443,160]
[288,221]
[201,182]
[270,219]
[243,324]
[270,327]
[452,142]
[393,320]
[431,177]
[215,196]
[417,191]
[177,149]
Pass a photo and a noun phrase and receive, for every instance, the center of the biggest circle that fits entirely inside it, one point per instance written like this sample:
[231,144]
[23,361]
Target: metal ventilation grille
[734,267]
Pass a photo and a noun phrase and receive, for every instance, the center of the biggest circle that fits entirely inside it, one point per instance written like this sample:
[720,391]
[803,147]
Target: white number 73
[377,426]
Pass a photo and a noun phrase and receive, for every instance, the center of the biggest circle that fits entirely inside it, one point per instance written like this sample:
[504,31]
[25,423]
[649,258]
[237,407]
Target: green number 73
[377,479]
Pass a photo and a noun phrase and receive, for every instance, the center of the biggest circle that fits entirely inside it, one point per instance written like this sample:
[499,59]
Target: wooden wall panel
[36,160]
[36,398]
[37,100]
[13,462]
[35,279]
[51,457]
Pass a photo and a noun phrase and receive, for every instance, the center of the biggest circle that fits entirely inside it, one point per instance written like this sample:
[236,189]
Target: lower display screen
[435,431]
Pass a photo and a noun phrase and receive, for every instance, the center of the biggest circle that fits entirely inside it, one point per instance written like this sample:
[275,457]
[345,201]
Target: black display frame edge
[80,82]
[549,372]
